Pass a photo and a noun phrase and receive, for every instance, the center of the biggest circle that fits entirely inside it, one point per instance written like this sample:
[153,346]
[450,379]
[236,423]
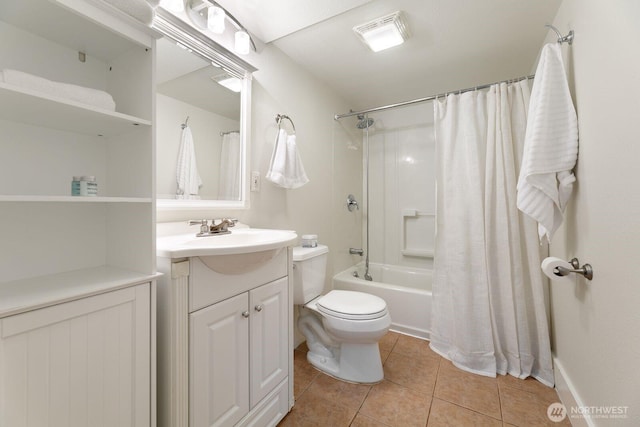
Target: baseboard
[569,396]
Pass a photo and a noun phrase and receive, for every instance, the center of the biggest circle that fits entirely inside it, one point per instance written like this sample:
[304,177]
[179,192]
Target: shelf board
[27,294]
[74,199]
[27,106]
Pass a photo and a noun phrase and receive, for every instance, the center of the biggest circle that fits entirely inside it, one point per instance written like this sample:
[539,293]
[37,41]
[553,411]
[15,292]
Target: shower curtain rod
[428,98]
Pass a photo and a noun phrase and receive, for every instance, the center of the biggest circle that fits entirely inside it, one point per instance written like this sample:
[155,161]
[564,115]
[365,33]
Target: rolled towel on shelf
[81,94]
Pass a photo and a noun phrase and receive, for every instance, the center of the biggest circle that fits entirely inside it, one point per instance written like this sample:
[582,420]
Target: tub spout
[354,251]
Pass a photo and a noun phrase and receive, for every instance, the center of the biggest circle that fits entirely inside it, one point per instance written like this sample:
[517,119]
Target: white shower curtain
[489,313]
[229,179]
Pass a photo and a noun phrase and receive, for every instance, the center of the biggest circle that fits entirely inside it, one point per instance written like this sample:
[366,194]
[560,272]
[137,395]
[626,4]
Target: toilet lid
[352,305]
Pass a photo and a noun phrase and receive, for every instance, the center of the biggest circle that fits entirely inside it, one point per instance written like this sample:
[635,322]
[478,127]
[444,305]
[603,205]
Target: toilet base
[357,363]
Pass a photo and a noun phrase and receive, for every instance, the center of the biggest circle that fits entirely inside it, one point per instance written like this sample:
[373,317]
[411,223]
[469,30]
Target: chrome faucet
[214,229]
[223,226]
[354,251]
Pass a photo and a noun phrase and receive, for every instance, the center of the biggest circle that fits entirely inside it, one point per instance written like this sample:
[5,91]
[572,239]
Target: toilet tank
[309,272]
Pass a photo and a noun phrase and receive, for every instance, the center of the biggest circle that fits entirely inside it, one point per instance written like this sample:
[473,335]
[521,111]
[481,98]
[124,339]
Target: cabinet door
[219,363]
[81,363]
[269,337]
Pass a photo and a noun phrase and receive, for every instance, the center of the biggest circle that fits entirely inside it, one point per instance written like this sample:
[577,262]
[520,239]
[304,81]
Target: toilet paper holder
[586,270]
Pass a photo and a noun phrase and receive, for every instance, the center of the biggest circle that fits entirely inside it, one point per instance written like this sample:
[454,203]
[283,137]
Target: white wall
[595,324]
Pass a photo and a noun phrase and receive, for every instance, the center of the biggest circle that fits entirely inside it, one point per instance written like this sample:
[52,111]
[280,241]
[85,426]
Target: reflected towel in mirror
[187,175]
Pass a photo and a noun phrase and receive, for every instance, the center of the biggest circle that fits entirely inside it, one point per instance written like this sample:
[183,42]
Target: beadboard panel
[80,363]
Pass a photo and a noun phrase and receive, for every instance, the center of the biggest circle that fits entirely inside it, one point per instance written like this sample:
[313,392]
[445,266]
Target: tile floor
[420,388]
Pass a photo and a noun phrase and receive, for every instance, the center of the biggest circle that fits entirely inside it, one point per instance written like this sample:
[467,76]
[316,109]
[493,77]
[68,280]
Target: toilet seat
[351,305]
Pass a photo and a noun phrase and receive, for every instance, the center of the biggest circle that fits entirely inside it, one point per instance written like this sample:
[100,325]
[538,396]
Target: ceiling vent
[384,32]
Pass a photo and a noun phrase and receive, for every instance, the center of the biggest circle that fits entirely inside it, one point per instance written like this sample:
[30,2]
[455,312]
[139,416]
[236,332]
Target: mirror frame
[179,31]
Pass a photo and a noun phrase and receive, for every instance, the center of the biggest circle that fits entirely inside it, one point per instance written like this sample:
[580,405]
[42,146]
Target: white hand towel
[550,147]
[187,176]
[286,169]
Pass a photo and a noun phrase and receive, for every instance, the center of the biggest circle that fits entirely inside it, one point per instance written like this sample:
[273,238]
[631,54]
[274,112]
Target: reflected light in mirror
[232,83]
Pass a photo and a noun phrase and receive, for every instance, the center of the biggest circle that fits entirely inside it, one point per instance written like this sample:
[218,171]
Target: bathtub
[407,292]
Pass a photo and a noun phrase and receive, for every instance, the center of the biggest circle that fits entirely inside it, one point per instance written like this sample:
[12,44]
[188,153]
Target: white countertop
[28,294]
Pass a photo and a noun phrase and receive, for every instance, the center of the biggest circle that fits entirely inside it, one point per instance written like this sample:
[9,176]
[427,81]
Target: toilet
[342,328]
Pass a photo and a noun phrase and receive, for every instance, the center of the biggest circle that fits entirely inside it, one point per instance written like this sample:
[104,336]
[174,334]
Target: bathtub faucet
[354,251]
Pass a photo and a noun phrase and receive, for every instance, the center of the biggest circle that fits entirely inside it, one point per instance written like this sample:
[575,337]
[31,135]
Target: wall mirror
[203,94]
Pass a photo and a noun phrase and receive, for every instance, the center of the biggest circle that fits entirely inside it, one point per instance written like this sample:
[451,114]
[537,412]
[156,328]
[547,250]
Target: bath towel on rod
[550,147]
[286,168]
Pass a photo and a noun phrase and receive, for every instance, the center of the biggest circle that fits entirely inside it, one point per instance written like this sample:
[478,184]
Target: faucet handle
[204,226]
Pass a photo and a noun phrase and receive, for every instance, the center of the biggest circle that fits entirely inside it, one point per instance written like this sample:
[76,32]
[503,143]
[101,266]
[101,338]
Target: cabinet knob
[258,307]
[245,314]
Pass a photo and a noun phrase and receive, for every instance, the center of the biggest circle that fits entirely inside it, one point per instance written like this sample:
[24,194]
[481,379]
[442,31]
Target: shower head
[364,123]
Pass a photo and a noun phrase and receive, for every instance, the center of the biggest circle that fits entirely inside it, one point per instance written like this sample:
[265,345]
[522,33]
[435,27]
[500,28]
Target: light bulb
[242,42]
[173,5]
[215,19]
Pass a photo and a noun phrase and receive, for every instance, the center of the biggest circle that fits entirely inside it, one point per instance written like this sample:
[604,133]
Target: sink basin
[240,241]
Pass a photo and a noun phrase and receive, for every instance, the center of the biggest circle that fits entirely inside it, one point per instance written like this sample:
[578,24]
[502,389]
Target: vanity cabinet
[230,318]
[238,354]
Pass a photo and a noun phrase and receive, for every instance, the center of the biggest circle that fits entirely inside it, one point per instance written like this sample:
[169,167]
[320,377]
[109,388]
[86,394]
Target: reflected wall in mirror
[202,120]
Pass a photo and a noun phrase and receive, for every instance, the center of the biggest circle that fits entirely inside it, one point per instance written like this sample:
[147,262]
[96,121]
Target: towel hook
[185,124]
[561,39]
[279,118]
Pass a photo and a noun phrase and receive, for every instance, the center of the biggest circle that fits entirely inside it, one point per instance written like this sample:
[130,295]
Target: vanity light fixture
[209,15]
[243,42]
[384,32]
[173,5]
[215,19]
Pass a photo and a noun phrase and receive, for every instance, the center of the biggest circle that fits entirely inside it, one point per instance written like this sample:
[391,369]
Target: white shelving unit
[77,274]
[45,140]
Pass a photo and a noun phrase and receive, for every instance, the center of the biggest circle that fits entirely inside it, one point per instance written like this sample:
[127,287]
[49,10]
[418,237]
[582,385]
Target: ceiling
[454,44]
